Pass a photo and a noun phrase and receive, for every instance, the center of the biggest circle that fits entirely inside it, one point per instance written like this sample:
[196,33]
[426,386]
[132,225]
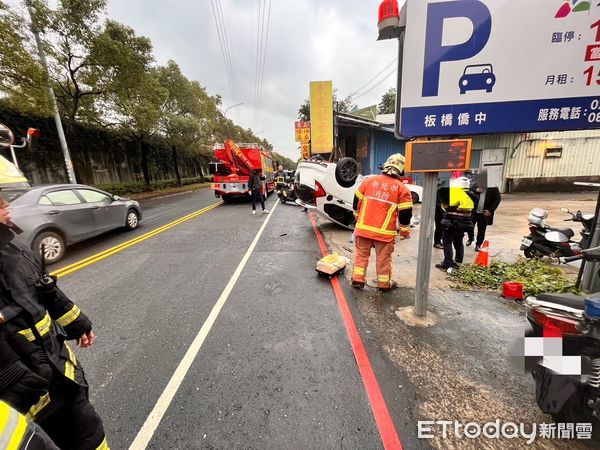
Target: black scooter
[555,242]
[569,397]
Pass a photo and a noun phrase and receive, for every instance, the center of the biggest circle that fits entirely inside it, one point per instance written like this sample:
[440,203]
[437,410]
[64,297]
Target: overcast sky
[308,40]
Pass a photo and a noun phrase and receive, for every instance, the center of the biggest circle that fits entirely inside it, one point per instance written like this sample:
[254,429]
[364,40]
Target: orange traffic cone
[483,255]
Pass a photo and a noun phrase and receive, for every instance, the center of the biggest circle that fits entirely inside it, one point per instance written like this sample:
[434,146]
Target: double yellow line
[118,248]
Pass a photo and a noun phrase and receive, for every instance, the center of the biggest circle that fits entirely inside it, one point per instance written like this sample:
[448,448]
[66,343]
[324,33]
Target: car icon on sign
[477,77]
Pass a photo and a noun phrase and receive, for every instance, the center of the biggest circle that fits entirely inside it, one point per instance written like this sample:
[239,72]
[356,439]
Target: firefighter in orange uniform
[379,202]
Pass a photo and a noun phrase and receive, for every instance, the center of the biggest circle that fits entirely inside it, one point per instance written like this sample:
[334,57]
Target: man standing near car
[486,204]
[256,190]
[379,203]
[39,374]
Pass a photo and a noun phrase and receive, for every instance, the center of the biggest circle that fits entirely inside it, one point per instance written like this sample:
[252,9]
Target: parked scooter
[555,242]
[568,396]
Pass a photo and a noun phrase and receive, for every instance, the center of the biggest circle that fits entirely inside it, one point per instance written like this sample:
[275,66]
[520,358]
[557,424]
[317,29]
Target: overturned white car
[328,188]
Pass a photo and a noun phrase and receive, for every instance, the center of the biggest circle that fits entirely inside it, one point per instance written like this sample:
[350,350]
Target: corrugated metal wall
[384,145]
[580,156]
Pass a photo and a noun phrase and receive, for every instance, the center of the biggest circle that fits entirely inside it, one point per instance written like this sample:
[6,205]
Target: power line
[258,52]
[222,48]
[221,32]
[227,40]
[262,76]
[264,20]
[373,79]
[393,71]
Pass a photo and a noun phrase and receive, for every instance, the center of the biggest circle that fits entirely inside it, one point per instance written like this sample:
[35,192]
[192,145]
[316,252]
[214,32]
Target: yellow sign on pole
[321,116]
[302,131]
[305,150]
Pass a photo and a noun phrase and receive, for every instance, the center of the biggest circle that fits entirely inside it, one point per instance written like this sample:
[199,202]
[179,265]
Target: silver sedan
[60,215]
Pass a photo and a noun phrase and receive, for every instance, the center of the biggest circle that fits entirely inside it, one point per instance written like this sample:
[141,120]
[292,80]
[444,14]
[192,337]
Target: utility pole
[57,120]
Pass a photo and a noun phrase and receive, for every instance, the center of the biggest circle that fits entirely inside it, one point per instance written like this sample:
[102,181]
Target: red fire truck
[232,170]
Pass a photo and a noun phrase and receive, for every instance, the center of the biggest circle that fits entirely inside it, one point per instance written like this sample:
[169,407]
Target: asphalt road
[155,213]
[275,370]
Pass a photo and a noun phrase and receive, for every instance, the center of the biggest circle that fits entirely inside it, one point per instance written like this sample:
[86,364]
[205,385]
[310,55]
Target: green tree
[22,80]
[388,102]
[139,113]
[89,58]
[187,113]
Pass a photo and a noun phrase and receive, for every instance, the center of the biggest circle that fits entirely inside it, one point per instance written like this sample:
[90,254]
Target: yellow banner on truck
[321,116]
[10,176]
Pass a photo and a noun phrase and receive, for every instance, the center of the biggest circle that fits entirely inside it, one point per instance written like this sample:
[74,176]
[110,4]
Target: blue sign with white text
[499,66]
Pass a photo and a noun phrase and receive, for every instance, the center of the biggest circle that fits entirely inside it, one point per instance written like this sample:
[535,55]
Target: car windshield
[472,70]
[12,195]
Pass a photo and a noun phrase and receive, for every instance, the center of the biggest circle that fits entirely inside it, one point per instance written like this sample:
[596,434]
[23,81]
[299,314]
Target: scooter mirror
[7,138]
[565,210]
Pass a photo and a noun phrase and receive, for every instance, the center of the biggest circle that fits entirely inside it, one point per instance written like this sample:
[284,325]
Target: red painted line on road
[385,424]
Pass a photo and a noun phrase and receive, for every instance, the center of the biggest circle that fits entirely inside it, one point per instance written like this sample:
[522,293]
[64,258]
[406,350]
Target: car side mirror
[116,198]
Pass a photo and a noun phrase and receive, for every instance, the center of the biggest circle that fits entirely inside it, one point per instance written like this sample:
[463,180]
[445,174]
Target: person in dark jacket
[280,179]
[458,207]
[39,374]
[438,234]
[256,190]
[486,204]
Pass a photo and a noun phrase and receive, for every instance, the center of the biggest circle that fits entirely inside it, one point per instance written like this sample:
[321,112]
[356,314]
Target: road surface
[216,333]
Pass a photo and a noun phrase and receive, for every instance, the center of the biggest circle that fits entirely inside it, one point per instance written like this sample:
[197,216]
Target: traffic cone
[483,255]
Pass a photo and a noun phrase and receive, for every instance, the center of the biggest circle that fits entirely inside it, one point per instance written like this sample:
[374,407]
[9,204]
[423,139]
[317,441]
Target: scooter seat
[566,231]
[569,300]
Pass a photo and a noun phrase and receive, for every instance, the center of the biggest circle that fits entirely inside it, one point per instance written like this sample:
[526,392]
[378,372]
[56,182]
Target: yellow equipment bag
[331,265]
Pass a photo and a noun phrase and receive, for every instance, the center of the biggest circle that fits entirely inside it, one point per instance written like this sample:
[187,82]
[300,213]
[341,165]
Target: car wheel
[346,172]
[415,197]
[226,198]
[54,246]
[133,220]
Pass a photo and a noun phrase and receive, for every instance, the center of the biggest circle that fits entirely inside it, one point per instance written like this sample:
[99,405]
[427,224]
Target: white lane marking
[145,434]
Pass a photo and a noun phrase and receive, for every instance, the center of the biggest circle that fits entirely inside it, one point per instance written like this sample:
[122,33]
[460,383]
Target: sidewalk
[460,368]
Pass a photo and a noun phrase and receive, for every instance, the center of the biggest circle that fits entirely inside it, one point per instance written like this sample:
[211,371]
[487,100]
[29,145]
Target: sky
[307,40]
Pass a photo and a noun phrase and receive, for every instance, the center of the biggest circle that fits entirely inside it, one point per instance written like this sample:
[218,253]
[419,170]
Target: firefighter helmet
[460,182]
[395,165]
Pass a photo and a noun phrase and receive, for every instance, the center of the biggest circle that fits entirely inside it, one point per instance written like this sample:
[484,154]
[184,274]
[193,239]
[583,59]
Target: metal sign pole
[425,242]
[57,119]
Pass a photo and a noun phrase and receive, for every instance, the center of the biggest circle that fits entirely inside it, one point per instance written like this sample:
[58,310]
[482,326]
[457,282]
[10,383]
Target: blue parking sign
[500,66]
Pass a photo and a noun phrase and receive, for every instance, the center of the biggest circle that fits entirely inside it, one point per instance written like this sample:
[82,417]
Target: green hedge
[138,187]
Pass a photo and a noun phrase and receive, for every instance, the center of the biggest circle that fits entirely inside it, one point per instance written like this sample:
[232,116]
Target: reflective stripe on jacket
[280,177]
[460,202]
[39,325]
[380,198]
